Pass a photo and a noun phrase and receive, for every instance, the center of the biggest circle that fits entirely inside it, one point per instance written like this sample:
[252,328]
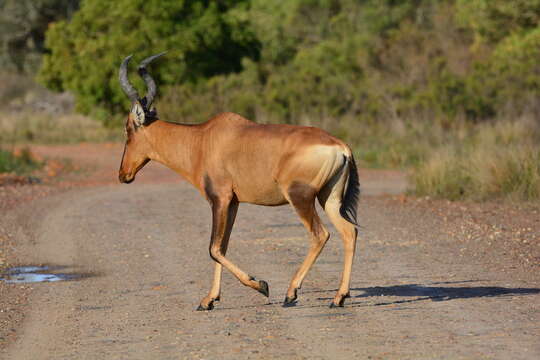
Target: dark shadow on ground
[440,293]
[417,292]
[409,293]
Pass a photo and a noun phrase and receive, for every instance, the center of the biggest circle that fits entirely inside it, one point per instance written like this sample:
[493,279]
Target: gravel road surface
[139,255]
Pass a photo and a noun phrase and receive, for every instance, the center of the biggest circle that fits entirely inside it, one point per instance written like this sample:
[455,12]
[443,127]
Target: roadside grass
[400,145]
[33,114]
[20,163]
[453,160]
[45,128]
[500,160]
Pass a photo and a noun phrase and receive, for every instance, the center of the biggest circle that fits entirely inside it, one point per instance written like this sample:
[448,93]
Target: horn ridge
[149,81]
[130,91]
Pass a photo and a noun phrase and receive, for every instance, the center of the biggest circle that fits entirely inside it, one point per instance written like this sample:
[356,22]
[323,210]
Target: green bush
[23,163]
[398,80]
[493,20]
[305,61]
[514,69]
[204,39]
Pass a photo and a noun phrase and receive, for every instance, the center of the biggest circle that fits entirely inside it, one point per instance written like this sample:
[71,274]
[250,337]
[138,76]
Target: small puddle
[32,274]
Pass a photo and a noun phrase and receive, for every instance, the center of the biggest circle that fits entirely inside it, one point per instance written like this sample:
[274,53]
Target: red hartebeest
[231,160]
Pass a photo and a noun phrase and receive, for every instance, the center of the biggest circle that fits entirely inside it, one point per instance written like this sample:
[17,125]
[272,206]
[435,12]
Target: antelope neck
[175,146]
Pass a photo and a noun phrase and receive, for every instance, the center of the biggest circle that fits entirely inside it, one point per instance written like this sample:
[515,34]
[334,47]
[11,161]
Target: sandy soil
[432,280]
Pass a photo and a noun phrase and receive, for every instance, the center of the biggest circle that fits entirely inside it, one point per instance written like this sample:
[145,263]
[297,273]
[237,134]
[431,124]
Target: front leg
[224,210]
[207,303]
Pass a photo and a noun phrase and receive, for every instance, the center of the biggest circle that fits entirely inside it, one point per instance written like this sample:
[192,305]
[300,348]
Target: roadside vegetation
[33,114]
[20,162]
[492,160]
[447,89]
[30,112]
[43,128]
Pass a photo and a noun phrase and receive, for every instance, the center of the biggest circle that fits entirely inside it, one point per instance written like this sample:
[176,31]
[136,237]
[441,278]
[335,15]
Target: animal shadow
[416,292]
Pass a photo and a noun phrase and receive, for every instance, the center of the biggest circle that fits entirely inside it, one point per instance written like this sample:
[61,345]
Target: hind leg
[348,233]
[302,198]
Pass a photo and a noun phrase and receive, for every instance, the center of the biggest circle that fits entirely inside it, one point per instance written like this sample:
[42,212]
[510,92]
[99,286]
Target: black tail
[350,199]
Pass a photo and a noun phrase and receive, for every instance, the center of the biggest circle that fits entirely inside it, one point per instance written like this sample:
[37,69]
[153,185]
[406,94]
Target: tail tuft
[349,203]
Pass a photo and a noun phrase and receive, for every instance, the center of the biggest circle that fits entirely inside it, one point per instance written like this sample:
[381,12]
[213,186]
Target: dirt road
[141,251]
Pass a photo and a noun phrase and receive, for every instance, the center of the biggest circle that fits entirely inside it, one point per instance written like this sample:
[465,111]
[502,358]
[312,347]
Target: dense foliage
[437,85]
[204,39]
[335,63]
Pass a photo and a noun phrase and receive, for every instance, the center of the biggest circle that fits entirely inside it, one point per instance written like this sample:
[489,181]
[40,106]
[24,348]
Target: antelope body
[230,160]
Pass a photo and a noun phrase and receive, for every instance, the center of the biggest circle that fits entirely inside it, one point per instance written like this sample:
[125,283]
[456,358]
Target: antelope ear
[137,114]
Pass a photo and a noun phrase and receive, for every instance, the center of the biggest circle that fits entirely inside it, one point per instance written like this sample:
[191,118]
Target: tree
[204,38]
[492,20]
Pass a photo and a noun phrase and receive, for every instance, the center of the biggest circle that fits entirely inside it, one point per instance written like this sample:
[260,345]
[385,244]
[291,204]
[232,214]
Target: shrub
[492,20]
[500,160]
[442,175]
[22,163]
[205,39]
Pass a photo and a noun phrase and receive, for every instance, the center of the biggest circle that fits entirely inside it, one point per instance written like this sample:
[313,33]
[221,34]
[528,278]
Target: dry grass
[33,114]
[397,143]
[44,128]
[496,160]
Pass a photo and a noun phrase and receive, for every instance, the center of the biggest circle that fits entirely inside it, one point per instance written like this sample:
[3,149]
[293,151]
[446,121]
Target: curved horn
[130,91]
[150,83]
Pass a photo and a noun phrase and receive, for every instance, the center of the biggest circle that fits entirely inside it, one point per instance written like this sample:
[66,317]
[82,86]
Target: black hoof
[202,308]
[263,288]
[289,302]
[334,305]
[218,298]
